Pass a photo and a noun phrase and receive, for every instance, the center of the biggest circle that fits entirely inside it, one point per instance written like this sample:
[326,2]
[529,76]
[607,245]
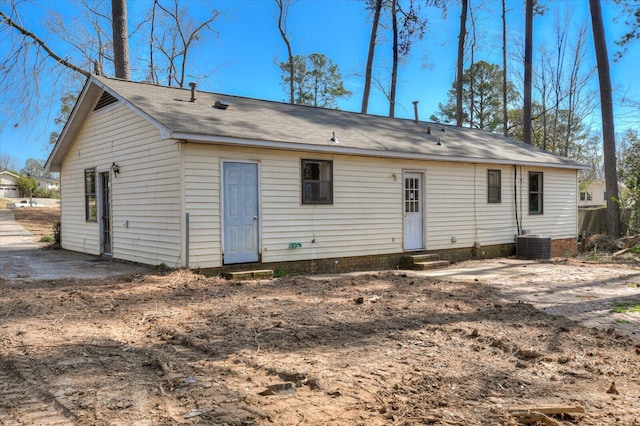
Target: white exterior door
[240,216]
[413,219]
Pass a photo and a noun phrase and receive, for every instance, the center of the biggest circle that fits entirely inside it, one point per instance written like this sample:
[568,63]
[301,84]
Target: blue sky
[240,60]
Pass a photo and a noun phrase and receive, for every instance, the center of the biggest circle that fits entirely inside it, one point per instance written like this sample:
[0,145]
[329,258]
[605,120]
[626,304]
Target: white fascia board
[337,149]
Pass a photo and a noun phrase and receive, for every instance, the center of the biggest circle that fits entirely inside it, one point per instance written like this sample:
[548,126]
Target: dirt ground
[39,221]
[377,349]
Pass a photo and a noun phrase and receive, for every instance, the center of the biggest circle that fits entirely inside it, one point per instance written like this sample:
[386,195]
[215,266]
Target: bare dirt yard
[39,221]
[386,348]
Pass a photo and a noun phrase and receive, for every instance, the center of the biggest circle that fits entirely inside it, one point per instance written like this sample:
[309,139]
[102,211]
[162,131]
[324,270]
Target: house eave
[343,150]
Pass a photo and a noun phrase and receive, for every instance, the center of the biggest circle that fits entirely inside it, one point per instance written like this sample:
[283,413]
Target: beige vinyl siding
[559,218]
[202,202]
[457,206]
[146,194]
[366,217]
[77,234]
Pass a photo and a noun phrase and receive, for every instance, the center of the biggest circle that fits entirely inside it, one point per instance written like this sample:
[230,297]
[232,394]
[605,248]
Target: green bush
[47,193]
[57,233]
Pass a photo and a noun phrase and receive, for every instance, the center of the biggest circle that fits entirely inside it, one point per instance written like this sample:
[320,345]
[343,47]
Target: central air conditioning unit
[533,247]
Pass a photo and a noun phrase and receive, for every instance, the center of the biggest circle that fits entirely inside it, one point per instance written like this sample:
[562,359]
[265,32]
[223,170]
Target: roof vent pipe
[415,110]
[193,91]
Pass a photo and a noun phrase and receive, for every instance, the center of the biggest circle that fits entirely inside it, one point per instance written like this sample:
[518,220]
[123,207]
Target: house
[173,176]
[45,183]
[9,184]
[593,193]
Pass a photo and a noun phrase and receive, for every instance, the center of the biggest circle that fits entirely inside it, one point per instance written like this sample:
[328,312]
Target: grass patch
[279,272]
[633,285]
[628,306]
[622,321]
[595,258]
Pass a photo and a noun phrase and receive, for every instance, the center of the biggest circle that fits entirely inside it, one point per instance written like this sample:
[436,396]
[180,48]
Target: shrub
[57,233]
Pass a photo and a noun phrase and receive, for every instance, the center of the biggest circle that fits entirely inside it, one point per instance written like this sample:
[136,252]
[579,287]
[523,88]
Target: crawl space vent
[533,247]
[105,100]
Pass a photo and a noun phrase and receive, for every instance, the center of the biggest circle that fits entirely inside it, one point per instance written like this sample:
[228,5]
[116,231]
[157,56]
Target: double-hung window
[535,193]
[317,182]
[90,199]
[494,186]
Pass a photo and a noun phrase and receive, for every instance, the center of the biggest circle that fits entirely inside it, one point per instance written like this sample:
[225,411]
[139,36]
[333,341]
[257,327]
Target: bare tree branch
[8,21]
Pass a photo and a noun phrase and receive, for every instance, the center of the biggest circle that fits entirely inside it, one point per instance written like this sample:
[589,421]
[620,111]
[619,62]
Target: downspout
[186,250]
[476,242]
[515,195]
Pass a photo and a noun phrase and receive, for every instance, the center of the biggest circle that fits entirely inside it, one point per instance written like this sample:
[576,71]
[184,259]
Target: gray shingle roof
[256,122]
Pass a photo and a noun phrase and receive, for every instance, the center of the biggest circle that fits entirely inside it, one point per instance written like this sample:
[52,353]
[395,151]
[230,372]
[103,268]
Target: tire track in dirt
[22,403]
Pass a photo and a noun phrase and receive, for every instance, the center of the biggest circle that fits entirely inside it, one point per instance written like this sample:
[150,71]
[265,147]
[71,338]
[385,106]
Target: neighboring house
[166,175]
[593,193]
[48,183]
[9,184]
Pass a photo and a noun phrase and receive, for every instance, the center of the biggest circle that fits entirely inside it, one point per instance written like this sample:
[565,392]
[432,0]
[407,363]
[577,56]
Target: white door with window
[240,217]
[413,207]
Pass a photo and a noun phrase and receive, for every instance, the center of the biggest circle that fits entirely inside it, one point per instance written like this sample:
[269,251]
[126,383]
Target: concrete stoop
[249,275]
[423,262]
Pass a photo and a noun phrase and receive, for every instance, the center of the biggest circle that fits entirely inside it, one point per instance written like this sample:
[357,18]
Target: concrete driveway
[23,258]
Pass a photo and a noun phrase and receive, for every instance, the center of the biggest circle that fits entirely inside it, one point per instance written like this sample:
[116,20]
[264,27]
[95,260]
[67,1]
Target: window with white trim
[494,186]
[535,193]
[90,199]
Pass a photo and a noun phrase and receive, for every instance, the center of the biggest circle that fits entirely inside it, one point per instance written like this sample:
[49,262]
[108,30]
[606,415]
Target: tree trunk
[505,117]
[372,46]
[394,69]
[608,129]
[460,64]
[282,17]
[472,53]
[120,38]
[528,71]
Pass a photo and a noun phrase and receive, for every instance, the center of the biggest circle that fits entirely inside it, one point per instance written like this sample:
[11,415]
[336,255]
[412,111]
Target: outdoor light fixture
[115,169]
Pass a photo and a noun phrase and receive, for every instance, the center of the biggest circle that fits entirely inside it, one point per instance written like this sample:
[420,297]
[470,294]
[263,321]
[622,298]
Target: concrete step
[426,257]
[432,264]
[408,261]
[249,275]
